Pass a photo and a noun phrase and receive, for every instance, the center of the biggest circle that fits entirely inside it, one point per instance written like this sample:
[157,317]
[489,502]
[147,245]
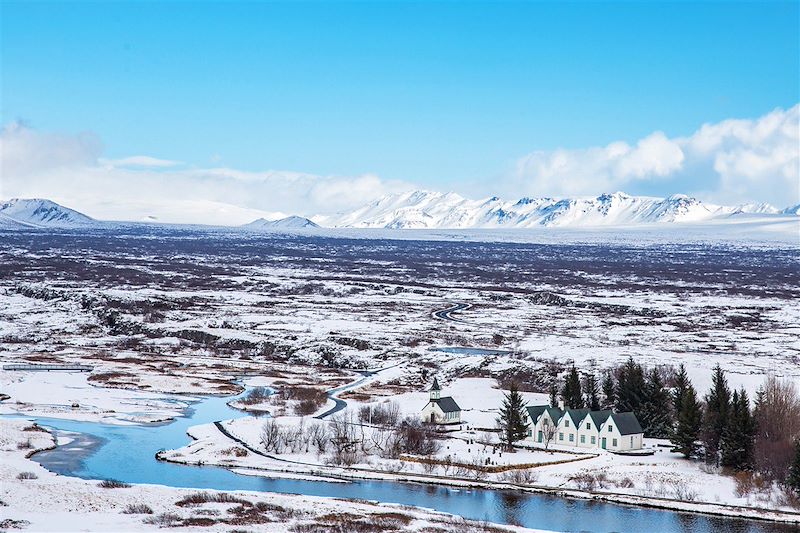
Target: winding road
[341,404]
[446,313]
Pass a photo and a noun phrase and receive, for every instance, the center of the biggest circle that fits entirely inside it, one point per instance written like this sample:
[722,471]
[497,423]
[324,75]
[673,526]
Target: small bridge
[34,367]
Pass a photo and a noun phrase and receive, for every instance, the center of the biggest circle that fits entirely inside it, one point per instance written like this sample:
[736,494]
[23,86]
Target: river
[127,453]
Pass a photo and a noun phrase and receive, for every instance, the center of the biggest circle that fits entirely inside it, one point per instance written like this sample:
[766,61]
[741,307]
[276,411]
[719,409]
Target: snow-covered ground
[164,317]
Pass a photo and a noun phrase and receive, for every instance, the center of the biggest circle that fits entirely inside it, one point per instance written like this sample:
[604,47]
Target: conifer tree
[793,478]
[608,391]
[687,427]
[512,418]
[718,401]
[737,440]
[682,383]
[572,393]
[591,392]
[553,395]
[630,390]
[655,416]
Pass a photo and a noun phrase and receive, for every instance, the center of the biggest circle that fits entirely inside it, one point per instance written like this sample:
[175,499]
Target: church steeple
[436,390]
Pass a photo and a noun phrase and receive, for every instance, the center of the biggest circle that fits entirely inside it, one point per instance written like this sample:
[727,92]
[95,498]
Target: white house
[589,428]
[567,430]
[542,421]
[582,428]
[621,432]
[440,410]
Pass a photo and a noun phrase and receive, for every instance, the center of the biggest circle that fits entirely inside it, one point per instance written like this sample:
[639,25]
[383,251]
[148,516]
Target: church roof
[447,404]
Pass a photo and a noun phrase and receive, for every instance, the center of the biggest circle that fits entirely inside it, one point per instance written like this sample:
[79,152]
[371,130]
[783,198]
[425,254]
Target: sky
[180,109]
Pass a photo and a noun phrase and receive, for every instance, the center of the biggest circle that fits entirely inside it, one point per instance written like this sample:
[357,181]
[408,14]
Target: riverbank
[36,499]
[208,438]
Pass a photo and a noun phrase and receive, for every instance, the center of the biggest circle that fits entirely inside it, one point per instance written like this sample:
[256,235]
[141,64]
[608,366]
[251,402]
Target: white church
[440,409]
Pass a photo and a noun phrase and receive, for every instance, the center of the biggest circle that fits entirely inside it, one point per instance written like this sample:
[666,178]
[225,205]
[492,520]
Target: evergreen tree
[553,395]
[512,418]
[687,427]
[793,478]
[737,440]
[591,392]
[572,393]
[718,401]
[608,391]
[682,383]
[630,390]
[655,415]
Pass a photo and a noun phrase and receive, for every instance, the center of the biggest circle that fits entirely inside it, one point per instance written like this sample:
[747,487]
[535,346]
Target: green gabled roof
[598,417]
[627,423]
[535,411]
[576,415]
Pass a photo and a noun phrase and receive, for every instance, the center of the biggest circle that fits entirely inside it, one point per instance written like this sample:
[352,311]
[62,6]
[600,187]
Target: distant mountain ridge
[429,210]
[435,210]
[40,213]
[292,222]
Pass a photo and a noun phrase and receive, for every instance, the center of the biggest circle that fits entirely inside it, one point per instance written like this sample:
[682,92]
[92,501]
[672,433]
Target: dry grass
[113,484]
[137,508]
[199,498]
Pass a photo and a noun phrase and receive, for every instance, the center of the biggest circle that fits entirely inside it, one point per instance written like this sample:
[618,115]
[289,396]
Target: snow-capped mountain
[793,210]
[292,222]
[40,213]
[426,209]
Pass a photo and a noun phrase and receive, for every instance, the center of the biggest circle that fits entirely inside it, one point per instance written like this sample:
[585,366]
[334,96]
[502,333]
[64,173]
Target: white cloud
[139,161]
[69,170]
[733,160]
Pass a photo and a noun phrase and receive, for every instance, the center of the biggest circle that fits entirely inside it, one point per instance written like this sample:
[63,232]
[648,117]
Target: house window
[560,436]
[583,439]
[588,425]
[571,437]
[566,423]
[593,440]
[610,429]
[613,442]
[529,432]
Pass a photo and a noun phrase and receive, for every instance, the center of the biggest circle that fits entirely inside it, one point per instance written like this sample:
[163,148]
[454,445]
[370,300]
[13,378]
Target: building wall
[587,436]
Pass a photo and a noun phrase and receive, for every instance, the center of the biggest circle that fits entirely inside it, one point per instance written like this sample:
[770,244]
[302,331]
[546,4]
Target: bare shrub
[777,415]
[683,492]
[27,475]
[113,484]
[137,508]
[256,395]
[525,476]
[235,451]
[163,520]
[271,436]
[345,443]
[199,498]
[387,414]
[589,481]
[25,445]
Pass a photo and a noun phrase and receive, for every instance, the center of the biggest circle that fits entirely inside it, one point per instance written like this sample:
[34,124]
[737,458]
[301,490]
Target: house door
[540,436]
[433,419]
[603,443]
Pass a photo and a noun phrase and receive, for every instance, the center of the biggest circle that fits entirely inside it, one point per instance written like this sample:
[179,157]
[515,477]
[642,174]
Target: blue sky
[440,94]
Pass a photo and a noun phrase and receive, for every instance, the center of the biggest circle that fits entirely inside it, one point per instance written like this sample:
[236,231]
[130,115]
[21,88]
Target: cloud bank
[730,161]
[68,169]
[733,161]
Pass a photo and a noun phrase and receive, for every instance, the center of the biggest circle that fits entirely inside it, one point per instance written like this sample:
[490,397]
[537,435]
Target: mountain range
[435,210]
[426,209]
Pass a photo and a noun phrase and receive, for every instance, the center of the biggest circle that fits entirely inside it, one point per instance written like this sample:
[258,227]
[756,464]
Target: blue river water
[127,453]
